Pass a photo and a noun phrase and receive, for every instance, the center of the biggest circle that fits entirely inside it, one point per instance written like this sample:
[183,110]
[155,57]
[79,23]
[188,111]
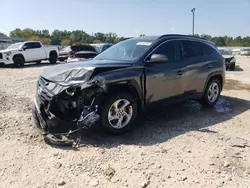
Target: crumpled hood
[81,71]
[228,56]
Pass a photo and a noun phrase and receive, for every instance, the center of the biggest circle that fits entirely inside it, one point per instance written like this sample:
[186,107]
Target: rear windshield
[83,48]
[86,55]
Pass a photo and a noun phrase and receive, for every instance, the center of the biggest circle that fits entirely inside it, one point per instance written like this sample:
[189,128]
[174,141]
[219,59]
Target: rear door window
[36,45]
[191,49]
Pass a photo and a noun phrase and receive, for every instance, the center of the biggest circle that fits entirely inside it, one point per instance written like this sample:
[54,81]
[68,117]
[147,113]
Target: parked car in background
[230,60]
[82,56]
[70,51]
[117,83]
[245,52]
[29,51]
[102,46]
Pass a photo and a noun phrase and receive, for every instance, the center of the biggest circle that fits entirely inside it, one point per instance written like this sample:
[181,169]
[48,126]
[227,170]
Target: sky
[129,18]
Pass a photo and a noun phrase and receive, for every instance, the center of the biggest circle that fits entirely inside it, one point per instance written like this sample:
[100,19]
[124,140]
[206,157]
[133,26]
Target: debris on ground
[109,172]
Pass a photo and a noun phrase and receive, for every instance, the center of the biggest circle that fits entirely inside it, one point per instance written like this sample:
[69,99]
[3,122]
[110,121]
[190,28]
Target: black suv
[116,84]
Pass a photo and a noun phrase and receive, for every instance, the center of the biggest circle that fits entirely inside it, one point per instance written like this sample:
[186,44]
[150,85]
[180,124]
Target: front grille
[43,93]
[1,55]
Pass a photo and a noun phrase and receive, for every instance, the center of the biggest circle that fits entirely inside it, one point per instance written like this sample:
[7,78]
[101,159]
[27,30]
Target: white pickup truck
[29,51]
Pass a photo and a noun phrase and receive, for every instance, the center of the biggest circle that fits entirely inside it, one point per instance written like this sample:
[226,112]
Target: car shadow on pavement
[238,68]
[159,123]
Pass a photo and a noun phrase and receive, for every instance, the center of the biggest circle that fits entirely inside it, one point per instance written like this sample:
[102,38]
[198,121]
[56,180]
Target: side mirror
[158,58]
[24,48]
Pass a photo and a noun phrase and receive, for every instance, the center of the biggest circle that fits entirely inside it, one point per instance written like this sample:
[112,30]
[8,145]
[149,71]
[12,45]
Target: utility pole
[193,10]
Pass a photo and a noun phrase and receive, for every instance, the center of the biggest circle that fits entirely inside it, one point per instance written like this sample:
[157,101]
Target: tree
[43,33]
[100,36]
[96,41]
[219,41]
[45,41]
[207,37]
[16,33]
[65,37]
[34,38]
[76,36]
[65,42]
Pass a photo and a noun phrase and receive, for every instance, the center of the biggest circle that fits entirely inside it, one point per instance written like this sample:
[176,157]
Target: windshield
[66,49]
[15,46]
[128,50]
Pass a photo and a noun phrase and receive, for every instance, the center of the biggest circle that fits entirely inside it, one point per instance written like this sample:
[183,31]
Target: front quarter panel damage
[74,100]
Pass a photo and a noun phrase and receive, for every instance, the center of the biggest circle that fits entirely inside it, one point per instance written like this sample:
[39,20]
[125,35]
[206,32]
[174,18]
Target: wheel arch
[130,86]
[52,52]
[219,75]
[18,55]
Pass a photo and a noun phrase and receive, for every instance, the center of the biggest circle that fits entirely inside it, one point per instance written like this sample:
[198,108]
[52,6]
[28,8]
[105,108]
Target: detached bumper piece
[61,133]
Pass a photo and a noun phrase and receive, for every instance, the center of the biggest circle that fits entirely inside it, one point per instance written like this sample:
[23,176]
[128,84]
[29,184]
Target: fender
[127,78]
[18,55]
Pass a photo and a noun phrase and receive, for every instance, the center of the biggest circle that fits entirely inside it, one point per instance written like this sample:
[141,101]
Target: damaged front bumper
[65,131]
[50,133]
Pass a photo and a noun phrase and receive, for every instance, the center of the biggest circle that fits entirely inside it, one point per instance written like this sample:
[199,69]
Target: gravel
[181,145]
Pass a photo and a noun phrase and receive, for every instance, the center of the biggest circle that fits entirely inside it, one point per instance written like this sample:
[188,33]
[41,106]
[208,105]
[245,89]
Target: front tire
[18,62]
[119,112]
[212,93]
[53,58]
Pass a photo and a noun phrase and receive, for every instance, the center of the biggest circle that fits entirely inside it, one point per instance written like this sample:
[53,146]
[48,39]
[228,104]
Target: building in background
[6,41]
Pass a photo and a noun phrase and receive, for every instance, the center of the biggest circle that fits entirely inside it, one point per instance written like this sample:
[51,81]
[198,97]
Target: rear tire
[126,114]
[212,93]
[53,58]
[18,62]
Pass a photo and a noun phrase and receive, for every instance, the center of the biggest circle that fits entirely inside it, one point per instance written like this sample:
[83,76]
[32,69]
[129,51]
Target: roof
[170,36]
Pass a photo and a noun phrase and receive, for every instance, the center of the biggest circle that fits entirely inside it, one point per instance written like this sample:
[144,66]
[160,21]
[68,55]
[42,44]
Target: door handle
[180,72]
[209,66]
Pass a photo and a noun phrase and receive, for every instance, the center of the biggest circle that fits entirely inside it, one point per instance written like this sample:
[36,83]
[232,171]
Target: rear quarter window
[210,50]
[207,50]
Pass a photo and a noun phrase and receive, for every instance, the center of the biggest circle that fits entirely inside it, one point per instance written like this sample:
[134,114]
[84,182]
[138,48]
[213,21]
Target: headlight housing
[7,53]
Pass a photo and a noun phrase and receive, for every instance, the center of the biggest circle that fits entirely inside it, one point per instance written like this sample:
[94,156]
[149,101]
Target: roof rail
[180,35]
